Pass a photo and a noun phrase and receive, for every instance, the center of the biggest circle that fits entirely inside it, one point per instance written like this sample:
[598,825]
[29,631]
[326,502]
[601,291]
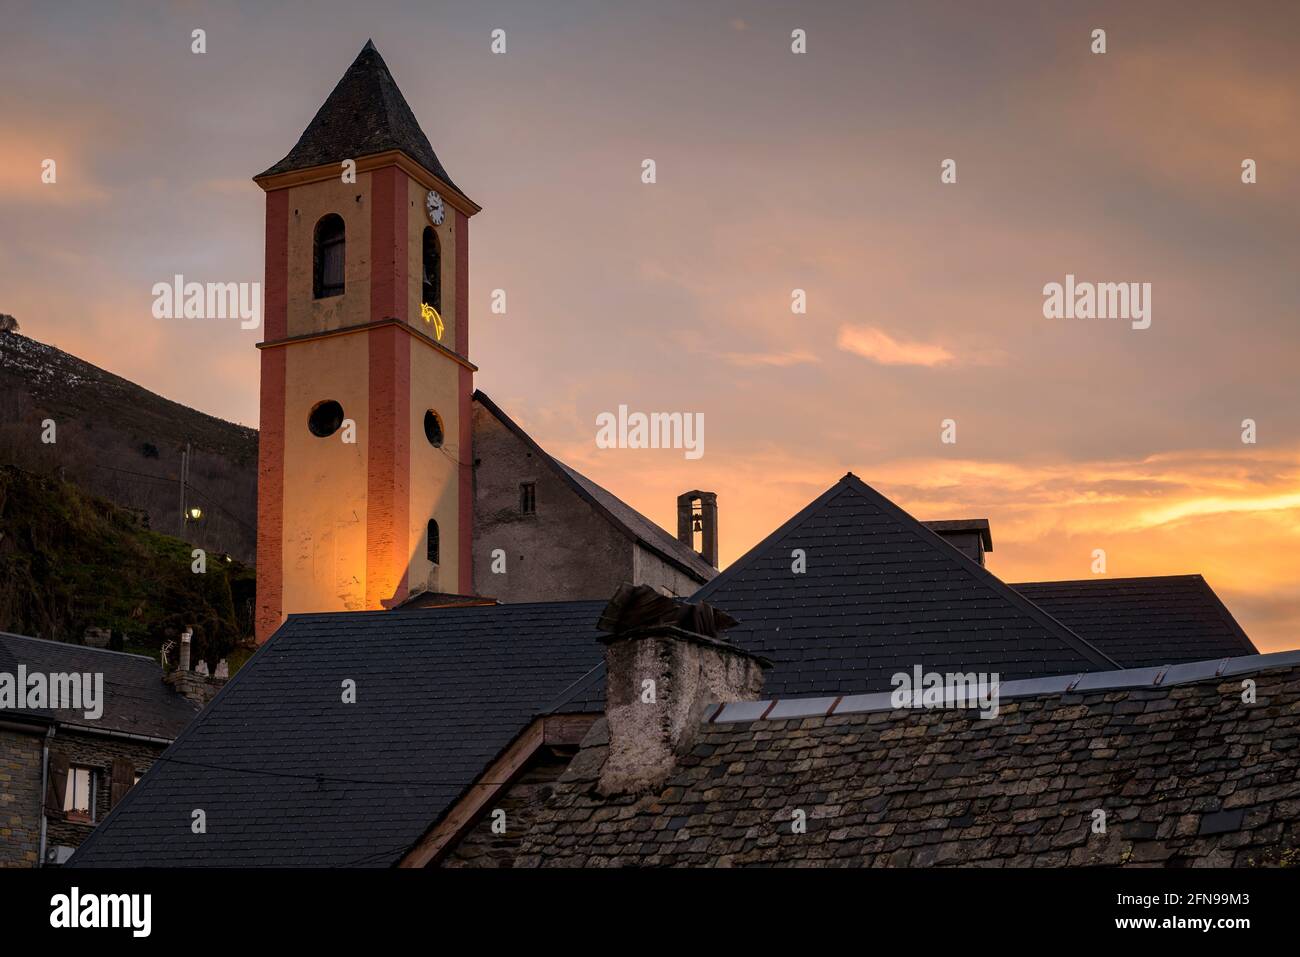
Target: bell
[698,526]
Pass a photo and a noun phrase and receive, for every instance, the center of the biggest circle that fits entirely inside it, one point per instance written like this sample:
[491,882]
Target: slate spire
[366,114]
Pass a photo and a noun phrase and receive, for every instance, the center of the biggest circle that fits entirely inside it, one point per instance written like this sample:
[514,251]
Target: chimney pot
[970,536]
[184,664]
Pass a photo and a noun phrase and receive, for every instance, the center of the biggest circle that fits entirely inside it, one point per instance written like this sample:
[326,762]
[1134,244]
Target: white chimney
[664,665]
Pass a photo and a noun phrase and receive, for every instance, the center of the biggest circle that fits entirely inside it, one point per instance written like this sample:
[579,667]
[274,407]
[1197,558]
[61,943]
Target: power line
[318,778]
[208,497]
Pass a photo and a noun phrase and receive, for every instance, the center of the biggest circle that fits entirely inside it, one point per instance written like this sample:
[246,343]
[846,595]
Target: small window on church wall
[528,498]
[325,418]
[328,258]
[431,548]
[433,428]
[432,294]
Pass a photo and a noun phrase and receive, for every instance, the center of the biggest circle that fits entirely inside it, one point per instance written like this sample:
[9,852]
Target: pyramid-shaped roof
[880,594]
[366,114]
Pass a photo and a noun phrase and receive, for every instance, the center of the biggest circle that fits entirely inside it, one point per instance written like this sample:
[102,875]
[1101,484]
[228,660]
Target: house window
[432,295]
[528,498]
[431,548]
[79,797]
[325,418]
[328,258]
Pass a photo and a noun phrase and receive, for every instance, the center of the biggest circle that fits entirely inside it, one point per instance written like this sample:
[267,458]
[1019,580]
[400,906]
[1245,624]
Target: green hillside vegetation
[69,561]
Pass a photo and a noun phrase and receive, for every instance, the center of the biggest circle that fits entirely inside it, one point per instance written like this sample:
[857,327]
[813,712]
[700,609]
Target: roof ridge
[1160,676]
[793,522]
[1228,618]
[380,612]
[580,684]
[69,644]
[1100,579]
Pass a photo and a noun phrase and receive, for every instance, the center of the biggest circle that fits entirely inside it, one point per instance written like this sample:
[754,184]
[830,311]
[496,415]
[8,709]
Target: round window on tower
[325,418]
[433,428]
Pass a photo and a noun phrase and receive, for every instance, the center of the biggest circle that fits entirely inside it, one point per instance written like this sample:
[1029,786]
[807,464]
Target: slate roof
[1185,772]
[618,513]
[1145,621]
[365,114]
[881,593]
[135,699]
[289,775]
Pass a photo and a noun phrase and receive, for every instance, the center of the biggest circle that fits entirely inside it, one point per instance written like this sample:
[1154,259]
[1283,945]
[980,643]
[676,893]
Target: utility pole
[185,475]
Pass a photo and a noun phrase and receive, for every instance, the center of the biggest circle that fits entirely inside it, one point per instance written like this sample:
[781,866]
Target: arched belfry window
[328,257]
[432,293]
[431,548]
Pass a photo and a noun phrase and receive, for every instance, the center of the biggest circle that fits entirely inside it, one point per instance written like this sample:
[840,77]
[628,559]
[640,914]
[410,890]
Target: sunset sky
[776,171]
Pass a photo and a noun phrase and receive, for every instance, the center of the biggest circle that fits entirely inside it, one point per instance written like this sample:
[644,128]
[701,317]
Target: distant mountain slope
[70,561]
[123,443]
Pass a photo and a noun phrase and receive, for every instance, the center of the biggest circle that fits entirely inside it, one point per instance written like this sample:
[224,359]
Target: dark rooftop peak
[365,114]
[870,588]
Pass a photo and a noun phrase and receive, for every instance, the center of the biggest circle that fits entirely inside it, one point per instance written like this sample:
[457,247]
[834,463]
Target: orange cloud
[881,347]
[777,359]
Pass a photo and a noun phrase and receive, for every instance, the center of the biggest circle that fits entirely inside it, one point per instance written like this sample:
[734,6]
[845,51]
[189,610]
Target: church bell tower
[364,463]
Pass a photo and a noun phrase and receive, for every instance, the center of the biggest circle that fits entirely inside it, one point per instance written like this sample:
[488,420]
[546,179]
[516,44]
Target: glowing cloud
[880,346]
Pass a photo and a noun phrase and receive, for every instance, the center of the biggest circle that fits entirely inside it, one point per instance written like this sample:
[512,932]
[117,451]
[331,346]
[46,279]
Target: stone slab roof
[135,699]
[289,775]
[1185,773]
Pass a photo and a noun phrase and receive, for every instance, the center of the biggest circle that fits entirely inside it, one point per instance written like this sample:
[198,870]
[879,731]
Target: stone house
[62,771]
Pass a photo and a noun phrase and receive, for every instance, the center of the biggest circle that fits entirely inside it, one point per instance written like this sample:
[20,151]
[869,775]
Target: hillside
[69,561]
[123,443]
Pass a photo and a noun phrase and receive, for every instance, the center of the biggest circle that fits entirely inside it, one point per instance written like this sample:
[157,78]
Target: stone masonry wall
[20,796]
[522,802]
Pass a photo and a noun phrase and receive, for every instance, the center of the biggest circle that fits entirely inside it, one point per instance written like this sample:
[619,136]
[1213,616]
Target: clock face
[437,212]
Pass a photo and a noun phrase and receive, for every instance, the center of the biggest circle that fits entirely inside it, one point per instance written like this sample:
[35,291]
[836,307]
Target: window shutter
[56,782]
[123,778]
